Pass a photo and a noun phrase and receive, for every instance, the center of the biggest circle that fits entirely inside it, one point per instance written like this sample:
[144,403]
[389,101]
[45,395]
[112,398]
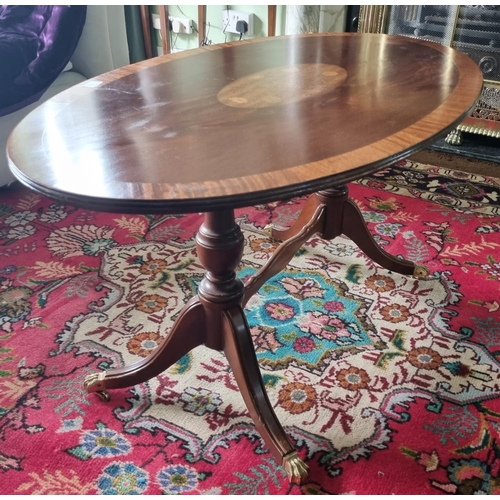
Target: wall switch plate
[231,17]
[179,24]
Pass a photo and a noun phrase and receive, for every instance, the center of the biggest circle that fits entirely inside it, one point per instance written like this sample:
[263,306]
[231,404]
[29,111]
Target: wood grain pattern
[271,86]
[153,137]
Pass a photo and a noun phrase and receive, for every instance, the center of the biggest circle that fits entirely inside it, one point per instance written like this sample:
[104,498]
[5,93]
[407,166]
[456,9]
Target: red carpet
[384,383]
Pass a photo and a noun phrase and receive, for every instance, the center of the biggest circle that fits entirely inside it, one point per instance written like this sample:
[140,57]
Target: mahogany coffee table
[232,125]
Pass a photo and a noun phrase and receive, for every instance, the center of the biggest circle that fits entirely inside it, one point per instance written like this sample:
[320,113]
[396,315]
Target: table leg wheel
[95,383]
[296,470]
[421,272]
[104,395]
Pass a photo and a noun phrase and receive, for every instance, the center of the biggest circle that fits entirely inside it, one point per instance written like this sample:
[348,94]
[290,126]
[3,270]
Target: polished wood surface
[158,136]
[329,213]
[216,319]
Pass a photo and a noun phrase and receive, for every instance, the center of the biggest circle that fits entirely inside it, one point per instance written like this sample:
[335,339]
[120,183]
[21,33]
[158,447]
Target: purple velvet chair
[36,43]
[102,47]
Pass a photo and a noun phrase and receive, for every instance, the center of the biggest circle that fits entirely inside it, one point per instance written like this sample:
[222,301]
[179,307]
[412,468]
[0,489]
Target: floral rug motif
[385,384]
[452,188]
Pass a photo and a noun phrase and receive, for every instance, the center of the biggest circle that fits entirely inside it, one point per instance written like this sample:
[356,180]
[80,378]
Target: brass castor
[421,272]
[104,395]
[295,468]
[95,383]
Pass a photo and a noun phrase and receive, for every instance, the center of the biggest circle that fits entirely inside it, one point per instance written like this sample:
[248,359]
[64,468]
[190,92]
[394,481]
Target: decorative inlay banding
[283,85]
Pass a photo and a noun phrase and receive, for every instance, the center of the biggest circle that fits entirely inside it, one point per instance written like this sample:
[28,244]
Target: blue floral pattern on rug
[307,320]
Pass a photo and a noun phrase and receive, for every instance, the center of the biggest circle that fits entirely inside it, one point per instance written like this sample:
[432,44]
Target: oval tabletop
[242,123]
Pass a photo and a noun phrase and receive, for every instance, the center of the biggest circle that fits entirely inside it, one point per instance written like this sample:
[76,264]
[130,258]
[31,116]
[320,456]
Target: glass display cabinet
[472,29]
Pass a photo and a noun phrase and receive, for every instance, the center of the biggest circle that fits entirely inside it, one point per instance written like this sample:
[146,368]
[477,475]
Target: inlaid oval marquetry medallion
[282,85]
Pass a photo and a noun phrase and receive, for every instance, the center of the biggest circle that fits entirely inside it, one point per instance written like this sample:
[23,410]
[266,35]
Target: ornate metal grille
[472,29]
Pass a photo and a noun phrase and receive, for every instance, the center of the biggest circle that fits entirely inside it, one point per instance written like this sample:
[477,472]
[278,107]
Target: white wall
[332,18]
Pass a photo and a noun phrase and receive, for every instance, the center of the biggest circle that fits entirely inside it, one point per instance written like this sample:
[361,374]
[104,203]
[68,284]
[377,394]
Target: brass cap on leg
[268,231]
[421,272]
[295,468]
[95,383]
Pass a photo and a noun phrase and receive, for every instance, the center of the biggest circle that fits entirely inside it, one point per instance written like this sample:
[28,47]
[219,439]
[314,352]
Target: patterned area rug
[385,384]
